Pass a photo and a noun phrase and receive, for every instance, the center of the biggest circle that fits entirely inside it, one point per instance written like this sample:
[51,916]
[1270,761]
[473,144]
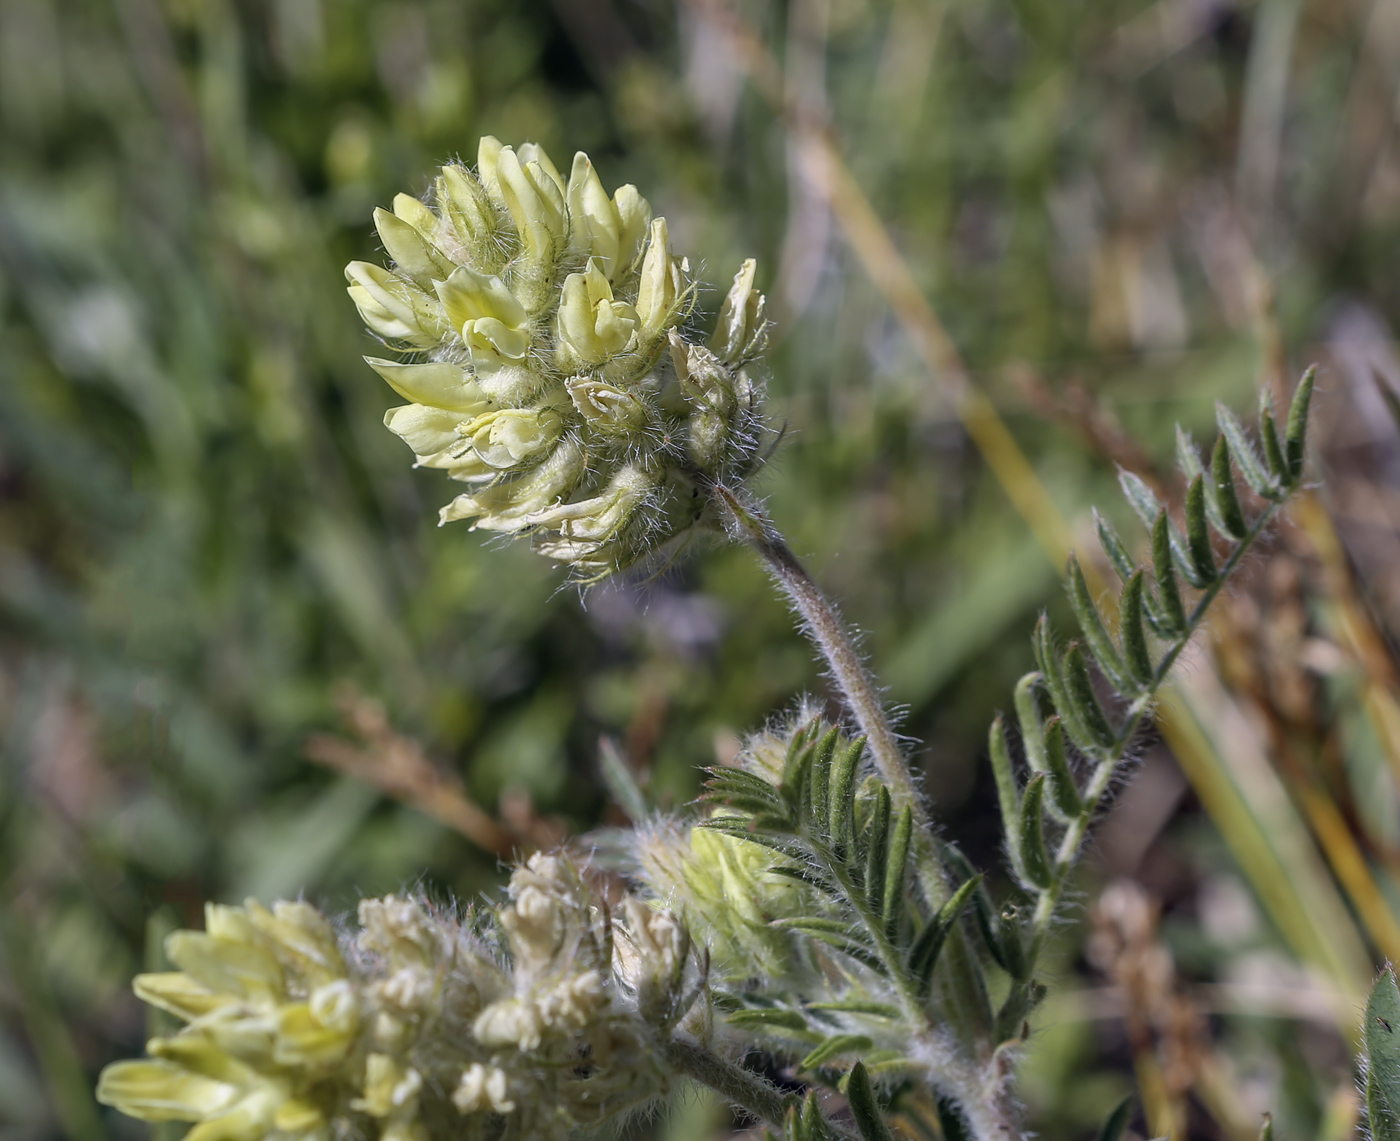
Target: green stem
[823,625]
[751,1092]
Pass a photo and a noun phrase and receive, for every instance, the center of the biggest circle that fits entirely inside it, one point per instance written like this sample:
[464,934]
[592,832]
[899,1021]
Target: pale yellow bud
[414,254]
[176,992]
[300,936]
[473,219]
[227,965]
[584,527]
[740,328]
[304,1040]
[662,288]
[530,189]
[400,930]
[592,327]
[445,386]
[157,1090]
[611,230]
[389,1086]
[512,1022]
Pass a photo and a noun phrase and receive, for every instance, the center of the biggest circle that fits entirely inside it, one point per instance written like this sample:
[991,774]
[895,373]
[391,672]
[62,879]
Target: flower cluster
[527,1021]
[550,368]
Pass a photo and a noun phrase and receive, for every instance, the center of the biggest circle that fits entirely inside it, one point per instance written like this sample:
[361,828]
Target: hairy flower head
[548,364]
[527,1021]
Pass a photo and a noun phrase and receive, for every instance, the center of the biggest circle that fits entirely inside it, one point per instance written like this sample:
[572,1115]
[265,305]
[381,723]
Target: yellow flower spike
[612,230]
[559,378]
[740,329]
[592,326]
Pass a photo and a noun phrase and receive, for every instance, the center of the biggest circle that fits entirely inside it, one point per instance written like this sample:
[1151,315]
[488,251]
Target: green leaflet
[834,1047]
[864,1107]
[1381,1041]
[1117,1123]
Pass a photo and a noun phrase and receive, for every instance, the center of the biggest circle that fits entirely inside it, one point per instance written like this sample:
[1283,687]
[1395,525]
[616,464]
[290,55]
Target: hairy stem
[823,625]
[749,1091]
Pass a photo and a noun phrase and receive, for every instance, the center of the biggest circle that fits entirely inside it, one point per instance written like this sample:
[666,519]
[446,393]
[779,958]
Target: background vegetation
[237,657]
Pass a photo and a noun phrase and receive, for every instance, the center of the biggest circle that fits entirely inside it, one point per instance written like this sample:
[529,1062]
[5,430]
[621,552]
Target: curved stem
[823,625]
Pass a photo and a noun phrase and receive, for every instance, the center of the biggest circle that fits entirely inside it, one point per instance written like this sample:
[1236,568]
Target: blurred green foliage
[205,531]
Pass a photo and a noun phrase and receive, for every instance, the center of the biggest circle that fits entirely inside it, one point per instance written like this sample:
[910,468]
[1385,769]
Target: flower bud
[740,330]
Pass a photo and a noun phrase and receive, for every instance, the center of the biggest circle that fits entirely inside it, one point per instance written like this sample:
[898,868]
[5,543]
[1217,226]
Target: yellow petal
[176,992]
[156,1090]
[427,431]
[444,386]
